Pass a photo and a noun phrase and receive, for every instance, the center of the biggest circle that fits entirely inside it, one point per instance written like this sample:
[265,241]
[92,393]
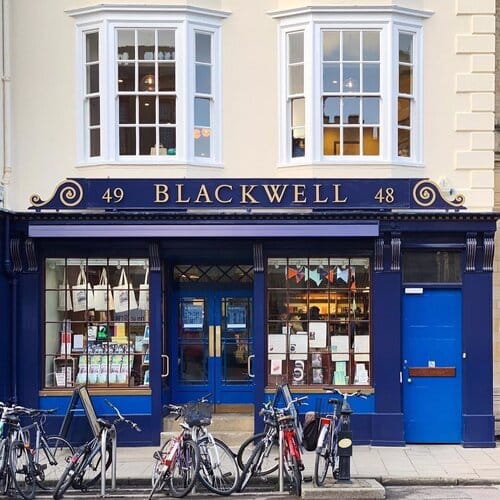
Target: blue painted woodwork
[432,334]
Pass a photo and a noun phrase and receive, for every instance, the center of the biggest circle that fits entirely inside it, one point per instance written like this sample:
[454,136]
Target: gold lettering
[203,193]
[218,190]
[298,193]
[179,194]
[246,194]
[275,192]
[161,193]
[336,194]
[317,191]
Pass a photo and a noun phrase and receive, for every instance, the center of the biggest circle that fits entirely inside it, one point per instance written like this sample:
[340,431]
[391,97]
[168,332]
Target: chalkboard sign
[80,394]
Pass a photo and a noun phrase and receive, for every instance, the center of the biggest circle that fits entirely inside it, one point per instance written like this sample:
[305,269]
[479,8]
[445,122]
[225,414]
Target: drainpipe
[5,98]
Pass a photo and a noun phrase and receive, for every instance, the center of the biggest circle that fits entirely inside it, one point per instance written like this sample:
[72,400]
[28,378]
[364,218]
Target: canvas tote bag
[83,297]
[123,295]
[64,302]
[103,298]
[144,293]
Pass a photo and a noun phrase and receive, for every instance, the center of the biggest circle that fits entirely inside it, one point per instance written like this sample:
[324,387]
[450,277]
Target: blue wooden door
[432,366]
[213,347]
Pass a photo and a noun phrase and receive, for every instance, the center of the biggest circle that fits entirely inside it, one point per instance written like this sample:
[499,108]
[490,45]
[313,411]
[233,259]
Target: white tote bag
[83,297]
[123,295]
[64,300]
[103,298]
[144,293]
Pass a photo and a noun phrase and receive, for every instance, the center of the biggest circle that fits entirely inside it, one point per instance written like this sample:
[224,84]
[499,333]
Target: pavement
[411,464]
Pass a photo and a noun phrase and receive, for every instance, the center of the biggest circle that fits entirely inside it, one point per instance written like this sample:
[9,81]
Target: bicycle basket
[198,414]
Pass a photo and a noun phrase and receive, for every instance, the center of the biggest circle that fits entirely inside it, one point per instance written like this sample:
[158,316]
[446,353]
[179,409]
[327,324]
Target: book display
[97,322]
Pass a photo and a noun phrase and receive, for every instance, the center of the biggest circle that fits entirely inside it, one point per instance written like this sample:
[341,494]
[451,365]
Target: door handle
[211,341]
[167,371]
[218,347]
[249,363]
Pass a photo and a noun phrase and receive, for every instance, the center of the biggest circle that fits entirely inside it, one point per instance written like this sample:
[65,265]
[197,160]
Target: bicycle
[291,447]
[85,465]
[334,446]
[177,462]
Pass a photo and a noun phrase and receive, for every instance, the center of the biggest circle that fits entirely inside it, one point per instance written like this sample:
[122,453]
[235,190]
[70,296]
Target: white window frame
[389,21]
[186,21]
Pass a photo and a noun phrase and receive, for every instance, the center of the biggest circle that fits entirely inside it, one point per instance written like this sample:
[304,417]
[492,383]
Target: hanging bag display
[103,298]
[144,293]
[123,295]
[64,302]
[83,297]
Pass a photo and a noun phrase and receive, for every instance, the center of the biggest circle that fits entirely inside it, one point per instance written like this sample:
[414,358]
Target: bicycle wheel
[219,471]
[52,461]
[92,472]
[67,477]
[22,470]
[292,468]
[270,461]
[184,469]
[253,465]
[4,469]
[322,460]
[159,468]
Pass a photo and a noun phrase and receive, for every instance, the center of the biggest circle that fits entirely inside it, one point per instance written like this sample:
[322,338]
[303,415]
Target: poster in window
[192,315]
[317,334]
[236,317]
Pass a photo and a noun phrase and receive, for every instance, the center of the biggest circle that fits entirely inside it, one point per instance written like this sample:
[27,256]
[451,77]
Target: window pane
[371,77]
[95,142]
[203,48]
[298,142]
[432,267]
[202,143]
[351,141]
[331,109]
[404,109]
[147,140]
[331,141]
[146,44]
[296,83]
[167,109]
[351,109]
[404,145]
[202,112]
[127,141]
[166,44]
[92,52]
[405,79]
[331,46]
[92,78]
[371,110]
[203,79]
[298,112]
[296,47]
[126,77]
[166,74]
[147,80]
[350,46]
[127,109]
[371,46]
[147,111]
[371,141]
[167,138]
[405,47]
[94,111]
[126,44]
[351,78]
[331,77]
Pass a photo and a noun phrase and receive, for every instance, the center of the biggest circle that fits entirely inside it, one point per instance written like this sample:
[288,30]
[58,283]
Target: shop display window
[318,321]
[96,322]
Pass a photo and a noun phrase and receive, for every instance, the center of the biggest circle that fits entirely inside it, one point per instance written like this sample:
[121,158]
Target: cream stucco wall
[458,91]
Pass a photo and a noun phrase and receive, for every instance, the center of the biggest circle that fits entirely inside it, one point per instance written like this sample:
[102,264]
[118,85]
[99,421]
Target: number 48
[385,195]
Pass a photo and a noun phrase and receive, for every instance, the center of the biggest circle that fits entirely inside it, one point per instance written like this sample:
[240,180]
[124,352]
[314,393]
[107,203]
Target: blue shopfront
[155,291]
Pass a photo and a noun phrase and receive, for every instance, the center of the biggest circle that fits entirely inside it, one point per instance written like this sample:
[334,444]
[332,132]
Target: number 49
[113,196]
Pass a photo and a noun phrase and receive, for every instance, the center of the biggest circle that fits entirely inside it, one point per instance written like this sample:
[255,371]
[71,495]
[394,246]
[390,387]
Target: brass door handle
[211,339]
[218,347]
[167,371]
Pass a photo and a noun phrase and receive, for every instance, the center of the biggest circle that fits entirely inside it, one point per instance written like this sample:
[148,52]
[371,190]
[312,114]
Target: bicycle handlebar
[345,395]
[121,418]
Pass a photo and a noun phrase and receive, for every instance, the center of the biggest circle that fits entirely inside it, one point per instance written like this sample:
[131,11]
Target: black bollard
[345,443]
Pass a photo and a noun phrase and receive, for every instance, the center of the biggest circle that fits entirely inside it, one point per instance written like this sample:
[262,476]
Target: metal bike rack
[281,463]
[104,438]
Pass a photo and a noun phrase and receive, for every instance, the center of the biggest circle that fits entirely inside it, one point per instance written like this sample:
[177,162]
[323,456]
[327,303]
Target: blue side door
[212,346]
[432,366]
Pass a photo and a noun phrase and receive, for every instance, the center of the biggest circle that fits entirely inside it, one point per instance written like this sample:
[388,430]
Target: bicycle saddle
[104,423]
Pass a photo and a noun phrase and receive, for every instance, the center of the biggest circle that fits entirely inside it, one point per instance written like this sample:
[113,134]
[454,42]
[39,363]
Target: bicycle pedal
[157,455]
[301,466]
